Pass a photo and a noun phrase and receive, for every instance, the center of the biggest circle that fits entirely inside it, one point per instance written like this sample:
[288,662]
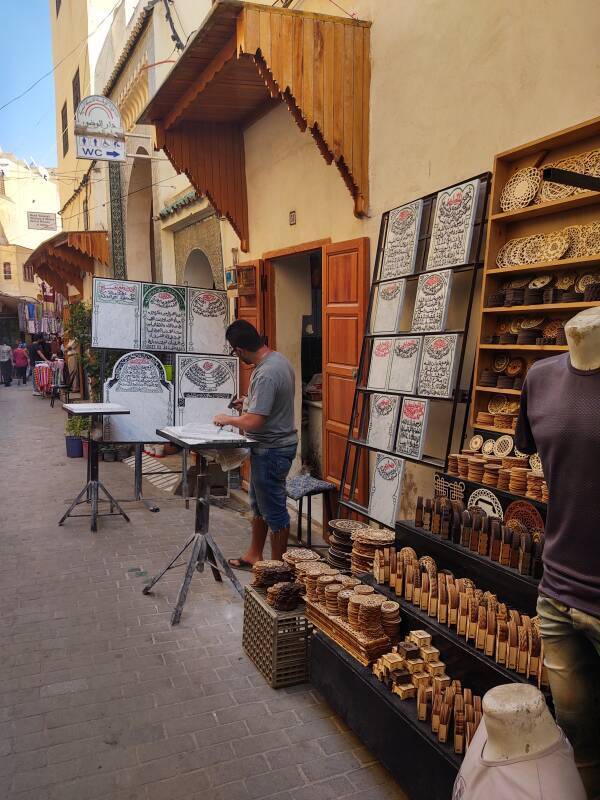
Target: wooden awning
[245,59]
[65,257]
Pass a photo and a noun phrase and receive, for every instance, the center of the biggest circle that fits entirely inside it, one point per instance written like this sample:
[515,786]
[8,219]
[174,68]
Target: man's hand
[222,419]
[238,403]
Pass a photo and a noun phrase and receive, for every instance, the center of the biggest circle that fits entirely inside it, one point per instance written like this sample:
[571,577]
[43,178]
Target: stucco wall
[451,85]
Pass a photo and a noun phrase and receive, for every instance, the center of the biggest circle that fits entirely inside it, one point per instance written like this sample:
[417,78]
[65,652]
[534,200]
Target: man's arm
[247,422]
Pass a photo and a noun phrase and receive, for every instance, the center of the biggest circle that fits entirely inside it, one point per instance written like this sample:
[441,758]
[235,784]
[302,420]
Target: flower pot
[74,447]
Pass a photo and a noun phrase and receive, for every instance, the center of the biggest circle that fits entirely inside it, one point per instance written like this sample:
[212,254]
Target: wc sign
[99,133]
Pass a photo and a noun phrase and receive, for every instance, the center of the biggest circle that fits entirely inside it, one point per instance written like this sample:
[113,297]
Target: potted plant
[74,427]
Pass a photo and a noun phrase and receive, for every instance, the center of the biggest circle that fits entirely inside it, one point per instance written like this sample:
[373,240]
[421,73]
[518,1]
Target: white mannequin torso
[518,722]
[583,337]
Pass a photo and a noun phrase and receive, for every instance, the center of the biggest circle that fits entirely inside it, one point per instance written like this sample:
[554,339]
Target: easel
[93,485]
[204,549]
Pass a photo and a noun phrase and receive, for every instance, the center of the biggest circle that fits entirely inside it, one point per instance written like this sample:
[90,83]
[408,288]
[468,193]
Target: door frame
[268,258]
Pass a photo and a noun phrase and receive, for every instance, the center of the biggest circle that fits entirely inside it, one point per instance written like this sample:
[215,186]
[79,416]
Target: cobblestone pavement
[99,696]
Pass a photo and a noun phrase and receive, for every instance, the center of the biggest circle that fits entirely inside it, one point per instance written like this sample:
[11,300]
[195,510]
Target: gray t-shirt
[271,394]
[560,418]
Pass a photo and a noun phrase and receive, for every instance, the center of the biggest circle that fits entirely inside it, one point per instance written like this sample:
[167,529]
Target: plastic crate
[277,642]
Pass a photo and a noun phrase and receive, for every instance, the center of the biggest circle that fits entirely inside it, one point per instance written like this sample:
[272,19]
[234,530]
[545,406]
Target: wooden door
[250,306]
[345,298]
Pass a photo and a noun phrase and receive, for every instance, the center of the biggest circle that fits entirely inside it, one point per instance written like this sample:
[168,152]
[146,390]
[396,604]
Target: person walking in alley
[36,353]
[268,417]
[6,363]
[21,361]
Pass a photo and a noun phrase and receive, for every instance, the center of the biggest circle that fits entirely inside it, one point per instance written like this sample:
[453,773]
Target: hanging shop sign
[99,133]
[41,221]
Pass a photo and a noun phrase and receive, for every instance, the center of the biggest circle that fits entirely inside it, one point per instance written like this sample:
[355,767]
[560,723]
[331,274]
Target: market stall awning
[243,60]
[65,257]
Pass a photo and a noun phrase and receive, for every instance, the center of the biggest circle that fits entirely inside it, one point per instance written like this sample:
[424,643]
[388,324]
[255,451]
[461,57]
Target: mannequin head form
[517,722]
[583,337]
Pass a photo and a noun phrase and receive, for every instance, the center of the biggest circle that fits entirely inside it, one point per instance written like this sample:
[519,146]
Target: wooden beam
[206,76]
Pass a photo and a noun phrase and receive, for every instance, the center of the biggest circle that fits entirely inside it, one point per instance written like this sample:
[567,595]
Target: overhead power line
[57,65]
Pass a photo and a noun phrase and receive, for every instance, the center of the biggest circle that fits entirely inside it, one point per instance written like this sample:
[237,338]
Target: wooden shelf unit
[497,390]
[579,209]
[538,309]
[549,348]
[551,207]
[562,265]
[493,429]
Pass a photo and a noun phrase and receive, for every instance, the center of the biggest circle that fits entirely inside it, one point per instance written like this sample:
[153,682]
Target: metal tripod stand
[203,549]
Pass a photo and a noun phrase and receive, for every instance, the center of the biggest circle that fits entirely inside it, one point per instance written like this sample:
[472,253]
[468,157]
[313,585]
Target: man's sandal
[240,563]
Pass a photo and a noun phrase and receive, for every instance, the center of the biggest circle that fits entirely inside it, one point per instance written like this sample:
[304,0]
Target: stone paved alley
[100,697]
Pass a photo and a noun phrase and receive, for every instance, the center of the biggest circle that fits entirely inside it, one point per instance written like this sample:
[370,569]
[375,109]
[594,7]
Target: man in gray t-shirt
[268,417]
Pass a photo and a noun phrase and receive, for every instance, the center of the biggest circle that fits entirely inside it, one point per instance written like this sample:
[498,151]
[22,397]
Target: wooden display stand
[579,209]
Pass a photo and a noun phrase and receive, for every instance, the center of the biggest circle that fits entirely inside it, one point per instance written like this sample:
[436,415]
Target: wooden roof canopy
[245,59]
[63,258]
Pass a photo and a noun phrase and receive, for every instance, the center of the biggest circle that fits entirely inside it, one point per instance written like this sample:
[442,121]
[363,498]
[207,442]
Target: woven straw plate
[488,447]
[521,189]
[497,404]
[500,363]
[540,281]
[503,446]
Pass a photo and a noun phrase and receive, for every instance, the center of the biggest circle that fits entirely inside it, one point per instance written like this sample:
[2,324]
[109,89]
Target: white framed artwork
[389,297]
[411,430]
[402,374]
[380,361]
[383,415]
[386,486]
[207,320]
[401,240]
[139,383]
[163,317]
[206,384]
[453,222]
[438,365]
[116,314]
[431,303]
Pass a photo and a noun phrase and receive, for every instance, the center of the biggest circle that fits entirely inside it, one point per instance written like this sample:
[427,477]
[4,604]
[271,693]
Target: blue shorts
[269,469]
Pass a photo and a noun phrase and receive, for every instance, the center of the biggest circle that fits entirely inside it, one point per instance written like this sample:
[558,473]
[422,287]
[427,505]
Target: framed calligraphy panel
[431,303]
[386,486]
[163,317]
[406,352]
[116,314]
[207,320]
[206,384]
[452,231]
[383,415]
[401,240]
[438,365]
[411,431]
[389,297]
[139,383]
[380,360]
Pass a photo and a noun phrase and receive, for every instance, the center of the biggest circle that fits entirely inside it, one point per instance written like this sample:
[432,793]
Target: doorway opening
[139,244]
[296,291]
[198,271]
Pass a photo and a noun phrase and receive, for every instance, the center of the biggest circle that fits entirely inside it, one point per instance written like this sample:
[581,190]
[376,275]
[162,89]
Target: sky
[27,126]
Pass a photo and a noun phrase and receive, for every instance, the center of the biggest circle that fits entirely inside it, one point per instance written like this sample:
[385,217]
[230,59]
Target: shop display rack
[388,726]
[519,591]
[357,449]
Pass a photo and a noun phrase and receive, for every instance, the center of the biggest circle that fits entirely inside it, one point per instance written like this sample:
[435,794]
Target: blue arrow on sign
[112,153]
